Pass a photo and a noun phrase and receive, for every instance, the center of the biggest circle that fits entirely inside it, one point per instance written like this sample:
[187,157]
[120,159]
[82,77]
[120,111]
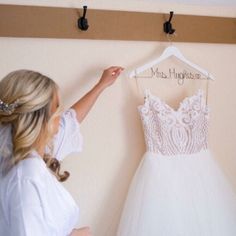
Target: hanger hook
[82,21]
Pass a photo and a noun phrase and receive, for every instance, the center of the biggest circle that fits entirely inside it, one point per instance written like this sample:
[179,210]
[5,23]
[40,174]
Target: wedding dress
[178,188]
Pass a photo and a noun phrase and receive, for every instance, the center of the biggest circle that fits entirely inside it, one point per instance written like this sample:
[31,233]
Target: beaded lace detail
[168,131]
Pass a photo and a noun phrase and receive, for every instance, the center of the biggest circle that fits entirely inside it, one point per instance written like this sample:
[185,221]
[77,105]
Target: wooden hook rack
[58,22]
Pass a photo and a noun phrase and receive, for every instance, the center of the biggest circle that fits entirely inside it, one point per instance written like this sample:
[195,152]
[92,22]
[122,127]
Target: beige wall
[112,131]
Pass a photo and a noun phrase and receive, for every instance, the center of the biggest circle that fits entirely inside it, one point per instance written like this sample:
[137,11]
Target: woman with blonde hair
[35,135]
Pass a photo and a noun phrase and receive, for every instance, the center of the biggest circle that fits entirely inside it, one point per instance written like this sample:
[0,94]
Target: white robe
[32,201]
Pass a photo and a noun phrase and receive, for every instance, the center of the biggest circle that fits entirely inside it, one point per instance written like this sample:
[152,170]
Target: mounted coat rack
[58,22]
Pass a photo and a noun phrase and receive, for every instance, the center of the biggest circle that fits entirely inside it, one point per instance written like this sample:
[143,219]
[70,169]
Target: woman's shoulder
[32,167]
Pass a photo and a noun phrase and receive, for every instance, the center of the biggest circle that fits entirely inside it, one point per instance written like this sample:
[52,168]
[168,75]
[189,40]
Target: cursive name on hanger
[173,73]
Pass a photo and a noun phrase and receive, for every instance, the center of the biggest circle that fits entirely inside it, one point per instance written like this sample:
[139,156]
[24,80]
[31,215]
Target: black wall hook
[168,26]
[82,21]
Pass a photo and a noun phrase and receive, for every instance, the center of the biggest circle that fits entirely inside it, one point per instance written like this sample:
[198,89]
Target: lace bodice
[168,131]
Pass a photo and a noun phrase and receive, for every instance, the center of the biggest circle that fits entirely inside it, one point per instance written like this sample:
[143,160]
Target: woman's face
[55,105]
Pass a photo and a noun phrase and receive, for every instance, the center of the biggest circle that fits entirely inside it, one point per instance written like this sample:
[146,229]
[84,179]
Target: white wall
[197,2]
[114,142]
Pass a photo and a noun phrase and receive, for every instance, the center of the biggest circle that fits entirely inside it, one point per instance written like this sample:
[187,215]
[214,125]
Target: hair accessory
[8,108]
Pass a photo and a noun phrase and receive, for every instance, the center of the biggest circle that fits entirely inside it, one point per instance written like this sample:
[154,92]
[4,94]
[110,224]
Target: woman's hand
[85,231]
[109,76]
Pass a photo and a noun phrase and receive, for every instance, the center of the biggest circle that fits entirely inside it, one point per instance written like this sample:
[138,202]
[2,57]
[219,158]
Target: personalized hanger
[168,52]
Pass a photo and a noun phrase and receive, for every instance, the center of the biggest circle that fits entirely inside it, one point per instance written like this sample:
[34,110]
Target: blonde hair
[32,119]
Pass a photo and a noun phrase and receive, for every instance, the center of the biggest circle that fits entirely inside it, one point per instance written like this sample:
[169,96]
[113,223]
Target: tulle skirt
[179,195]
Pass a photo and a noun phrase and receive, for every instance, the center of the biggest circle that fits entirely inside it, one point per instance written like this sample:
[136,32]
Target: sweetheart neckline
[177,110]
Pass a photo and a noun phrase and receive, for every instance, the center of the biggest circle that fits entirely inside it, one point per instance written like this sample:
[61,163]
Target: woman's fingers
[117,71]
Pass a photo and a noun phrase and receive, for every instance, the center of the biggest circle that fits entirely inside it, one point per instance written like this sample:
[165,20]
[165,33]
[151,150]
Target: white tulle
[178,188]
[184,195]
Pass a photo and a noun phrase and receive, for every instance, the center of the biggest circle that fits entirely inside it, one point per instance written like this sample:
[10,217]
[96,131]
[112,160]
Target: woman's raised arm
[83,106]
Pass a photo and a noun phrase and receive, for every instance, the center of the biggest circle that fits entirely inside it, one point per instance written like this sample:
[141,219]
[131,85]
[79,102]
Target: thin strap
[139,87]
